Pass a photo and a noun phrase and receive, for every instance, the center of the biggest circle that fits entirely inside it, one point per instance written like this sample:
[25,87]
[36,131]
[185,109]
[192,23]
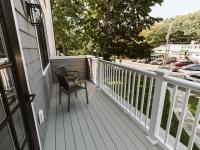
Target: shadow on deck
[100,125]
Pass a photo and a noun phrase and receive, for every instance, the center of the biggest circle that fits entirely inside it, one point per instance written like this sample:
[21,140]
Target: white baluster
[116,82]
[129,87]
[124,99]
[149,100]
[143,96]
[194,127]
[181,121]
[119,83]
[122,80]
[109,78]
[137,94]
[133,91]
[172,103]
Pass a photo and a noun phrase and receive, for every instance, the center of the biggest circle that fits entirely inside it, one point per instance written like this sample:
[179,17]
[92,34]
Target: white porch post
[90,63]
[157,107]
[99,71]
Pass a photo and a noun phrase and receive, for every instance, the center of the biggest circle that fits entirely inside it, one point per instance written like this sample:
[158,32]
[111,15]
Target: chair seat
[73,89]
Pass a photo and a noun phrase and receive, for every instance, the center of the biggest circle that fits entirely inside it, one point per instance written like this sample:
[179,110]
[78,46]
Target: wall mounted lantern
[34,12]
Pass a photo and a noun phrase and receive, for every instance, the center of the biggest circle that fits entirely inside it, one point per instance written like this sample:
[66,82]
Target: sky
[172,8]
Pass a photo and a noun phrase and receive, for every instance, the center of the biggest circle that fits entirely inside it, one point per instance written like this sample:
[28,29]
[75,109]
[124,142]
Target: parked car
[134,60]
[171,60]
[157,62]
[193,77]
[193,67]
[183,63]
[190,69]
[141,61]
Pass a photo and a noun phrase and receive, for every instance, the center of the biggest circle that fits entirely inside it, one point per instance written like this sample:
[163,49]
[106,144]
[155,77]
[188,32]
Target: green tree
[102,27]
[114,26]
[67,21]
[184,30]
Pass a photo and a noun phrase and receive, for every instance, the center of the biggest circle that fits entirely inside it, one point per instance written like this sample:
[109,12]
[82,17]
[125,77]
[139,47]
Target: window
[43,45]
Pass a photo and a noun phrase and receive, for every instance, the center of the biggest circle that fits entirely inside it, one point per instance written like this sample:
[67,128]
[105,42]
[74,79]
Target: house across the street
[192,50]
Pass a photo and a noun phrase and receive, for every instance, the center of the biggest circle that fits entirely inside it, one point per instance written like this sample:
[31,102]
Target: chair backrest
[62,70]
[61,79]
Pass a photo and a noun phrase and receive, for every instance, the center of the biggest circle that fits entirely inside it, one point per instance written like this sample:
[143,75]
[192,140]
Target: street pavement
[149,67]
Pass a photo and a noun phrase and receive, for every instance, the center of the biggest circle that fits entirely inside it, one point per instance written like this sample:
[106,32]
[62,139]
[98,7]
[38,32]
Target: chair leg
[59,96]
[86,95]
[76,94]
[69,103]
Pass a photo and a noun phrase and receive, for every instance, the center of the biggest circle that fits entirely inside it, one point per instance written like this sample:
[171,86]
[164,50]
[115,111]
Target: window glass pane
[19,127]
[26,147]
[43,45]
[6,142]
[2,112]
[9,86]
[3,49]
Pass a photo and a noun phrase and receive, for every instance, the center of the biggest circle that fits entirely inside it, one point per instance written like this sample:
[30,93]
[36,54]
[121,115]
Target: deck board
[87,136]
[124,131]
[101,125]
[69,137]
[60,134]
[94,130]
[102,131]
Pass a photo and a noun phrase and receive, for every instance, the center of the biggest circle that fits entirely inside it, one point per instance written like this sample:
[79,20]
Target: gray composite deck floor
[100,125]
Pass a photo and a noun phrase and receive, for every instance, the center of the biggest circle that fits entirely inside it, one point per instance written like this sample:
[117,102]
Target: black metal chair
[70,75]
[67,88]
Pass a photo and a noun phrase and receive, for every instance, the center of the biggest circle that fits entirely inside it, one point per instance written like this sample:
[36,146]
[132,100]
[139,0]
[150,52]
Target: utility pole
[167,45]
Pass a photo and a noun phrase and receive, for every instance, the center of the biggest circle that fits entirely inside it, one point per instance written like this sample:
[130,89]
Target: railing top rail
[173,80]
[148,73]
[69,57]
[183,83]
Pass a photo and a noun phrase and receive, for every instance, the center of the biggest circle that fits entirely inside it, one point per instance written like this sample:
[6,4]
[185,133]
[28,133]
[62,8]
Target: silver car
[193,77]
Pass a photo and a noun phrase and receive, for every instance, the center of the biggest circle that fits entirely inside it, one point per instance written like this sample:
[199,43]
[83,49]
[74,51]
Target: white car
[141,61]
[157,62]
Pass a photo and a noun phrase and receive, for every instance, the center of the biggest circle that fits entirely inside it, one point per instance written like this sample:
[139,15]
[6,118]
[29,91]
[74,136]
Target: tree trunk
[63,46]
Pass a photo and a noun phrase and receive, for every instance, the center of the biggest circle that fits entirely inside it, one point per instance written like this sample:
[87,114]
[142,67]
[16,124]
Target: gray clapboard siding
[71,63]
[40,84]
[100,125]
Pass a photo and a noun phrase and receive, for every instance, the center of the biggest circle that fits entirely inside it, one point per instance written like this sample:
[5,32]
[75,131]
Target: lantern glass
[35,13]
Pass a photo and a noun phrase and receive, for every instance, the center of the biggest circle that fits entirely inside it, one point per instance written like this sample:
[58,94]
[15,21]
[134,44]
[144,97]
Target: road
[149,67]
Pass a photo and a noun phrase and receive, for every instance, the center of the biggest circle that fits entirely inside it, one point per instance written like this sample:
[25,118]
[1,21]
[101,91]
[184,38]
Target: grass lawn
[174,124]
[192,104]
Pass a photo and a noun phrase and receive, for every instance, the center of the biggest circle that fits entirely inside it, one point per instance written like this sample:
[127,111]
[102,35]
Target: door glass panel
[26,147]
[6,142]
[9,101]
[2,112]
[19,127]
[3,49]
[9,87]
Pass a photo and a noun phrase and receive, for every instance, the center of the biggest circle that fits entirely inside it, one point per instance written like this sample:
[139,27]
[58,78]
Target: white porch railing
[142,94]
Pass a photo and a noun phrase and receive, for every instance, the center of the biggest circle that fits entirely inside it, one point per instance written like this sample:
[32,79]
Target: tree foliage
[102,27]
[184,30]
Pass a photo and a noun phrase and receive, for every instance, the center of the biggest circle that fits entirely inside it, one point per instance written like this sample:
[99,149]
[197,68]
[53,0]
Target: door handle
[31,98]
